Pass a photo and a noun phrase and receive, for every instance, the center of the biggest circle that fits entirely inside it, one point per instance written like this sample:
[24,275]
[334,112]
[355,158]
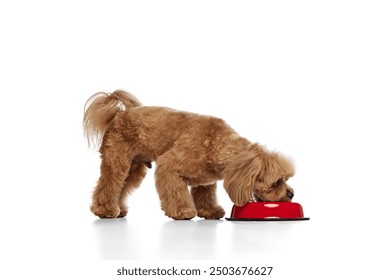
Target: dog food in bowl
[267,211]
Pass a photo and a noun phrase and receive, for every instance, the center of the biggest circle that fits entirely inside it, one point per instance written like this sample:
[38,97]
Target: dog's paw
[181,214]
[122,213]
[214,213]
[106,211]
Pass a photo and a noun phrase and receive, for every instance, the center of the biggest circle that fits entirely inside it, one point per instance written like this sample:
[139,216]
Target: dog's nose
[290,194]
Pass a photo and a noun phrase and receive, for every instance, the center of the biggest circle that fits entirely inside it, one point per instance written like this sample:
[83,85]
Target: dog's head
[257,175]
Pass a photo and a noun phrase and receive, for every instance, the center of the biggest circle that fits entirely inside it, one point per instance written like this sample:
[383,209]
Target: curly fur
[99,110]
[189,150]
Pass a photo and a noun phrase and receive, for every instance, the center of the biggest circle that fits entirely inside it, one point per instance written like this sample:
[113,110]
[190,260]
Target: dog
[191,152]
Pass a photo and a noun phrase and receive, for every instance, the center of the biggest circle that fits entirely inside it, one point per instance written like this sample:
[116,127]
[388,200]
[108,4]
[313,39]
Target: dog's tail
[100,109]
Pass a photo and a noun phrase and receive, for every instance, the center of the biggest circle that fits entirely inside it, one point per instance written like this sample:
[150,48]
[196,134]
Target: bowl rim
[267,219]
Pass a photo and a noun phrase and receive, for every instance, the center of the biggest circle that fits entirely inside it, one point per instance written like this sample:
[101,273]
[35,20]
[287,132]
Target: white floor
[198,239]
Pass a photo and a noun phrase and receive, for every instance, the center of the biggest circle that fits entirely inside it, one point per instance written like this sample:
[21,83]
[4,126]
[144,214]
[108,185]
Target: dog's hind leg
[114,169]
[205,200]
[175,198]
[137,173]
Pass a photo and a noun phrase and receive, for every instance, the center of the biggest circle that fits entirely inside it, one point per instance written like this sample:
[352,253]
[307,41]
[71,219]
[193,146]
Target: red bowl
[267,211]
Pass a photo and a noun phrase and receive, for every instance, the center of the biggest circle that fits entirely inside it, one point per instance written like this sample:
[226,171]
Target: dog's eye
[278,183]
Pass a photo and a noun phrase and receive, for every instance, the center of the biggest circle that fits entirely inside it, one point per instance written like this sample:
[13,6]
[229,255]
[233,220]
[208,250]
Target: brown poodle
[190,150]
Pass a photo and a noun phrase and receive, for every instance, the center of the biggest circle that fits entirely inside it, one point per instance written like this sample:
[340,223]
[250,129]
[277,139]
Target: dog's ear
[255,168]
[275,167]
[240,177]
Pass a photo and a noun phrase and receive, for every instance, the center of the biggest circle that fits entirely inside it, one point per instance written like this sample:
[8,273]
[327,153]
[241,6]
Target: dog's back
[119,118]
[157,129]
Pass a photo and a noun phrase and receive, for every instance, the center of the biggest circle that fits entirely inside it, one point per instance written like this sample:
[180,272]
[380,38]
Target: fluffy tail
[100,109]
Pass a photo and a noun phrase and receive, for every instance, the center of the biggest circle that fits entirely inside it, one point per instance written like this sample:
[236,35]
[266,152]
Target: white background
[307,79]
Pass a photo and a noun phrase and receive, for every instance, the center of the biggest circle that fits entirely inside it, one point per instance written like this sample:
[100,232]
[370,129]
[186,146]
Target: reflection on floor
[195,239]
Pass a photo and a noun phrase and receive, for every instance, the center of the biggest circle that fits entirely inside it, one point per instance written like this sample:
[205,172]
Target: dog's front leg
[205,199]
[175,198]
